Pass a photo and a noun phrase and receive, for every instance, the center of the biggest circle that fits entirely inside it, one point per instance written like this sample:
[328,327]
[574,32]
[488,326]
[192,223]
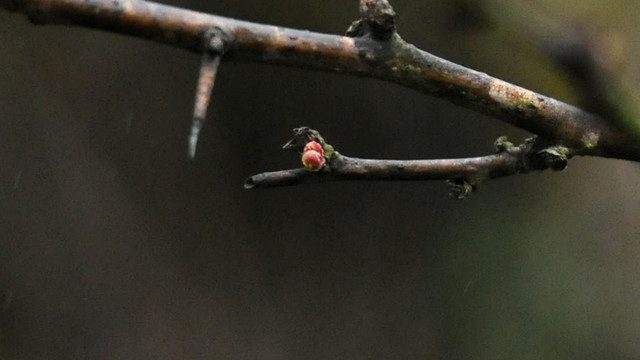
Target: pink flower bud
[315,146]
[313,156]
[313,160]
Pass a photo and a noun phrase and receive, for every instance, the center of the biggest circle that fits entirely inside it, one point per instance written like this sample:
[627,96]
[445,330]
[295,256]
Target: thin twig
[473,170]
[392,60]
[533,154]
[349,168]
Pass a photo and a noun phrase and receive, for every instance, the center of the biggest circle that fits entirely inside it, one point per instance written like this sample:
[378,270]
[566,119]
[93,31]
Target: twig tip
[249,183]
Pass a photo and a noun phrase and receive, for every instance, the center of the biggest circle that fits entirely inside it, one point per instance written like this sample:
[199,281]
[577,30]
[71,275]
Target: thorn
[215,41]
[206,80]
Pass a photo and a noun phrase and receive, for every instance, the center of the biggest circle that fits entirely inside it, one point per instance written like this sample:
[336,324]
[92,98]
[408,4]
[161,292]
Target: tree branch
[349,168]
[591,56]
[462,175]
[391,60]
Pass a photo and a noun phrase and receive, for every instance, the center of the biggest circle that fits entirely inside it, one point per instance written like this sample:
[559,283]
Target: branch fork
[372,49]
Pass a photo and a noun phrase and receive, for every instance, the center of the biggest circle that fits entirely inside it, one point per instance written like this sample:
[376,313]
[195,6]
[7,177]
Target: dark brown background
[114,246]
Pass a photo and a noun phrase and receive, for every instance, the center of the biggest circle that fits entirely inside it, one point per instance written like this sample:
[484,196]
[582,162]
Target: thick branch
[589,55]
[392,60]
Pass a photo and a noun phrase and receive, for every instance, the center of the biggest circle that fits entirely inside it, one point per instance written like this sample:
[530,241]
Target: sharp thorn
[206,80]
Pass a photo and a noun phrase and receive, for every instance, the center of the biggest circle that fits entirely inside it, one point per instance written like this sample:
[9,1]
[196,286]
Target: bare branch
[591,56]
[392,60]
[533,154]
[349,168]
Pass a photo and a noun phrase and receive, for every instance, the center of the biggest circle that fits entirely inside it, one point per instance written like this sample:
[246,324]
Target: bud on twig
[313,156]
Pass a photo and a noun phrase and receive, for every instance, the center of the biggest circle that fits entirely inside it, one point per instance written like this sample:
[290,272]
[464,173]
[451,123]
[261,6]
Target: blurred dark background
[114,246]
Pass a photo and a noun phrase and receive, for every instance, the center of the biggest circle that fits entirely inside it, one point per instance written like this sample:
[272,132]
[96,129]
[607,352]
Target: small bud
[313,156]
[313,146]
[313,160]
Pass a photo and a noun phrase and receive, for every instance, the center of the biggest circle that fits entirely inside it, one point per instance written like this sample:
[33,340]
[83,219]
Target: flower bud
[313,156]
[313,145]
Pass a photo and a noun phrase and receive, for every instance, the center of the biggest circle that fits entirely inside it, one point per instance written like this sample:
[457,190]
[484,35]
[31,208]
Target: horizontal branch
[392,60]
[463,175]
[349,168]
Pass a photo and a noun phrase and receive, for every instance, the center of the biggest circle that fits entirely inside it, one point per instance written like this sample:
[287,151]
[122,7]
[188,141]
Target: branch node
[301,136]
[378,20]
[555,157]
[317,154]
[216,41]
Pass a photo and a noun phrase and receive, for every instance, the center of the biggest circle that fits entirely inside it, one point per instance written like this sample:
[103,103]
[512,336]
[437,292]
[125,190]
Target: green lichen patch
[555,157]
[502,144]
[590,140]
[460,189]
